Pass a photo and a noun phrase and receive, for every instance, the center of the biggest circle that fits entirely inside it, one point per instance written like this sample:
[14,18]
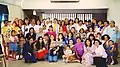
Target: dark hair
[99,33]
[62,36]
[71,34]
[69,41]
[98,41]
[107,22]
[70,21]
[111,41]
[51,26]
[46,35]
[89,21]
[80,21]
[39,21]
[100,21]
[12,32]
[25,19]
[78,38]
[76,19]
[82,29]
[103,37]
[86,43]
[92,36]
[90,27]
[85,21]
[33,30]
[5,21]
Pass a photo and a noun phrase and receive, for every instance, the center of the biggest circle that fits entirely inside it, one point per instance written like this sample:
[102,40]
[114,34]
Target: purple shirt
[79,48]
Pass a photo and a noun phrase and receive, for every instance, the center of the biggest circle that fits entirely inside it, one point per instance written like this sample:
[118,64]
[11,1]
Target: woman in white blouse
[100,55]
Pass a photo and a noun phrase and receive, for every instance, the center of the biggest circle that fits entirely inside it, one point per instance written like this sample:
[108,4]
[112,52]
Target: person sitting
[41,49]
[28,54]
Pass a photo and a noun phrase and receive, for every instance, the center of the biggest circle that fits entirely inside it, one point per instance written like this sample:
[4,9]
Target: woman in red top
[64,26]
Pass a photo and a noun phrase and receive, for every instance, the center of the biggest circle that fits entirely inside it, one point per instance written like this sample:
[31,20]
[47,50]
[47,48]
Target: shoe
[112,63]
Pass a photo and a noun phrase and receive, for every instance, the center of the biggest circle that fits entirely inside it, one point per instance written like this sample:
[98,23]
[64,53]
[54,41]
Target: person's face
[112,24]
[31,41]
[14,24]
[78,40]
[33,21]
[80,23]
[76,20]
[63,23]
[40,40]
[71,42]
[105,24]
[90,29]
[60,36]
[69,34]
[50,28]
[13,33]
[31,31]
[38,22]
[91,37]
[5,23]
[40,29]
[26,21]
[99,23]
[72,30]
[52,37]
[22,40]
[96,43]
[71,22]
[98,35]
[61,29]
[86,23]
[106,38]
[88,42]
[77,35]
[67,48]
[81,31]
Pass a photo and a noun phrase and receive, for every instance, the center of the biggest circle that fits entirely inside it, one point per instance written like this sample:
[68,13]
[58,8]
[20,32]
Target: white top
[37,27]
[66,52]
[83,26]
[25,27]
[100,52]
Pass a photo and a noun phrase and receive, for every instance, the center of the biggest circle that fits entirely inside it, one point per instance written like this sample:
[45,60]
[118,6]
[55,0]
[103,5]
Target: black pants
[100,62]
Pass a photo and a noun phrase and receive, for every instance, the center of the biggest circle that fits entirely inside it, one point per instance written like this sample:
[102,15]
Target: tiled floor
[20,63]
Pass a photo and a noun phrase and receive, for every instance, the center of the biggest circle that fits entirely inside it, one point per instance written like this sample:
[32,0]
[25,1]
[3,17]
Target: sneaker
[112,63]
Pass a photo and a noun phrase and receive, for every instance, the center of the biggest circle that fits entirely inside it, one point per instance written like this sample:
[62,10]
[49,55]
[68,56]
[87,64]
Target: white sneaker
[112,63]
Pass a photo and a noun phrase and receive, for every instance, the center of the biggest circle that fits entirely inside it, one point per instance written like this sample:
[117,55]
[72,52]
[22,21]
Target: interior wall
[46,4]
[114,11]
[14,11]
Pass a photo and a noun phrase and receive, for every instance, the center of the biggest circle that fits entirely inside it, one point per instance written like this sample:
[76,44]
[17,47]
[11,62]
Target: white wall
[46,4]
[114,11]
[14,11]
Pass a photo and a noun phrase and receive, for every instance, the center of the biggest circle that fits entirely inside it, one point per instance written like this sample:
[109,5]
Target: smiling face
[88,43]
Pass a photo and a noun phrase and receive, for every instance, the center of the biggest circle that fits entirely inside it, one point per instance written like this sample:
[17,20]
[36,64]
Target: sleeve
[103,53]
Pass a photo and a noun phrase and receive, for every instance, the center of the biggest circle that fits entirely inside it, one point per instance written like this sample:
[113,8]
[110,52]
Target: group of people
[89,42]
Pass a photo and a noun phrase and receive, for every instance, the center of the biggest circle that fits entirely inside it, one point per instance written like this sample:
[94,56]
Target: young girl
[67,54]
[13,44]
[110,48]
[87,58]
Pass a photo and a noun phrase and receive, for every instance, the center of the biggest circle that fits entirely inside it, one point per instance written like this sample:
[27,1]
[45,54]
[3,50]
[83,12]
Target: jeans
[52,58]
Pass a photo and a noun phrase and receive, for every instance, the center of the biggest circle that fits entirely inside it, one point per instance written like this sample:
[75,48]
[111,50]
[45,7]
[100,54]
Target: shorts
[13,47]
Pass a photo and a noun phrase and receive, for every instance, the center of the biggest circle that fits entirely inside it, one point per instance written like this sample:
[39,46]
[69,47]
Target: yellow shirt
[5,29]
[16,29]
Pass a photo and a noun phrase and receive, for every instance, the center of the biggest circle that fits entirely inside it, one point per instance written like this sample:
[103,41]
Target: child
[110,49]
[67,53]
[13,44]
